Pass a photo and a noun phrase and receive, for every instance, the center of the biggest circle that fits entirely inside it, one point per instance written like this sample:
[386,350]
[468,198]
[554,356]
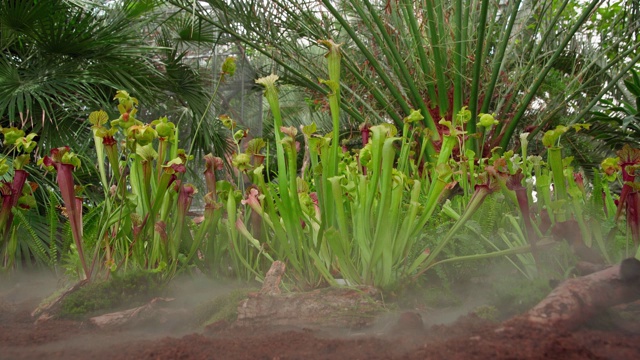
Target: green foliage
[488,216]
[34,243]
[61,59]
[439,296]
[358,215]
[52,221]
[513,295]
[617,121]
[348,227]
[466,243]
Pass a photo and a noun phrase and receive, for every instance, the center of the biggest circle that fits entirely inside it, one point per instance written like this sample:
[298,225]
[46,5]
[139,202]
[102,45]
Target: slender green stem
[499,58]
[457,58]
[475,83]
[404,72]
[419,44]
[425,260]
[534,48]
[438,55]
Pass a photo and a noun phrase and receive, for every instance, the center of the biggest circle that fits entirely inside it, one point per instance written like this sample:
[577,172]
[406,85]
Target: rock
[408,322]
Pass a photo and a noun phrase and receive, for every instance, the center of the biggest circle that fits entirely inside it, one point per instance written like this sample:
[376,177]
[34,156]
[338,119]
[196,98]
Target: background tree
[60,60]
[526,61]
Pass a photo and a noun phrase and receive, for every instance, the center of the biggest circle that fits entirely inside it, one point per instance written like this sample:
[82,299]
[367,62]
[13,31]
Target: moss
[486,312]
[224,307]
[441,297]
[121,291]
[51,298]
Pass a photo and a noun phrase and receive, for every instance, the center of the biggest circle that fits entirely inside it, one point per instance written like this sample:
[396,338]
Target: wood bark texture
[328,307]
[575,301]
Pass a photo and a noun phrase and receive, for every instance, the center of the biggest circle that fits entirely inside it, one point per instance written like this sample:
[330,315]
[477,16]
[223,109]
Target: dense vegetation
[438,135]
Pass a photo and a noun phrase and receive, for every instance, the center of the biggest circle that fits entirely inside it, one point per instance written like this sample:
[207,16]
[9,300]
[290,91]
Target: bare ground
[398,336]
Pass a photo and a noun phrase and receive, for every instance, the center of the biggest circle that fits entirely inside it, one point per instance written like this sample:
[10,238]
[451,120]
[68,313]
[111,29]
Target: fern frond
[53,222]
[67,237]
[92,223]
[489,211]
[36,246]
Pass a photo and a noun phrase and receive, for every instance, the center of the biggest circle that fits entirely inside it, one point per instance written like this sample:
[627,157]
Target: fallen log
[575,301]
[148,312]
[329,307]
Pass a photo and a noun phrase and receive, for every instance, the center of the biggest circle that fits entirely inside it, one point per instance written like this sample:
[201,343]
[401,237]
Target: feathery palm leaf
[617,122]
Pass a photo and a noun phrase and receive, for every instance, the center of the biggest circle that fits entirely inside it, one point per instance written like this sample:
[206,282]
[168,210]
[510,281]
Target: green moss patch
[223,307]
[118,293]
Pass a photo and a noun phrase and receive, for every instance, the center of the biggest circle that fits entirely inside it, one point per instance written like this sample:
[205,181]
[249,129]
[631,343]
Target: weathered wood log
[584,268]
[328,307]
[131,317]
[271,283]
[575,301]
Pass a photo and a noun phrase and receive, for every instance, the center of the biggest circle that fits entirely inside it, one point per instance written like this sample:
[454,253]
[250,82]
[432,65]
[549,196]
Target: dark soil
[399,336]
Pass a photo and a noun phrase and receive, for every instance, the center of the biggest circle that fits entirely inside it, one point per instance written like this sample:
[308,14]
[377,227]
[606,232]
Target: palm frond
[53,222]
[407,55]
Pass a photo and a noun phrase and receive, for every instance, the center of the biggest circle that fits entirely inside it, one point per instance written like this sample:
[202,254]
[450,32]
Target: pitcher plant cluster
[354,216]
